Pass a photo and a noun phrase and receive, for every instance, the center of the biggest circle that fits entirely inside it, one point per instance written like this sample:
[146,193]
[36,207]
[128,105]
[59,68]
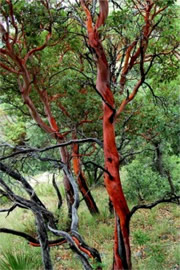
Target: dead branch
[32,150]
[57,192]
[172,199]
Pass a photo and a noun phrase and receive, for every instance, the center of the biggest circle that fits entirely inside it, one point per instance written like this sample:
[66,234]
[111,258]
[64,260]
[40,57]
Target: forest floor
[155,236]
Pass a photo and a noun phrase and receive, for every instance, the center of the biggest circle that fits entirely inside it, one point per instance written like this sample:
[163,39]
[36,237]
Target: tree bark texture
[122,258]
[67,184]
[43,239]
[82,182]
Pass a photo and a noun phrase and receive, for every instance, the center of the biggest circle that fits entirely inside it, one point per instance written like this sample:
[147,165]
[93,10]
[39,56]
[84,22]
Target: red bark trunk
[82,182]
[122,258]
[113,185]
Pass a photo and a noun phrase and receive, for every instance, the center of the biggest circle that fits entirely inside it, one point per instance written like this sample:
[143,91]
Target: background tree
[35,81]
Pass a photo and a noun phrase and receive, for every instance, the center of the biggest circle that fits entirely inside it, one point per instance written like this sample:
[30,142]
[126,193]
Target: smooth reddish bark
[82,181]
[134,54]
[112,180]
[114,189]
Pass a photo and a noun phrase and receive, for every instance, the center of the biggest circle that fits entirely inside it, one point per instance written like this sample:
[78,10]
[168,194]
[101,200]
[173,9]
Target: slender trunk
[111,208]
[160,167]
[158,161]
[67,184]
[122,254]
[172,187]
[89,200]
[122,260]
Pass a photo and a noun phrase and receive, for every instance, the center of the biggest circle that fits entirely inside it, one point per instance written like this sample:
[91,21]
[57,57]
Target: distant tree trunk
[89,200]
[160,167]
[158,160]
[111,209]
[172,187]
[67,185]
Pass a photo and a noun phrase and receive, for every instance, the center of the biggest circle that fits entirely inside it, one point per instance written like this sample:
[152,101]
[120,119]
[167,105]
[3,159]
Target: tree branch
[99,166]
[32,150]
[172,199]
[57,192]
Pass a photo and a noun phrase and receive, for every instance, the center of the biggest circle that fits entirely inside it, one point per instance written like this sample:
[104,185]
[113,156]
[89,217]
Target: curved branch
[32,150]
[74,246]
[172,199]
[103,13]
[33,241]
[11,208]
[21,234]
[23,181]
[57,192]
[100,167]
[40,48]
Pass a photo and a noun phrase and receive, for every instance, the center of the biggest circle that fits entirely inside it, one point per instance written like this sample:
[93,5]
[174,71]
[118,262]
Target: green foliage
[161,3]
[156,252]
[17,261]
[28,225]
[172,164]
[157,255]
[98,265]
[140,237]
[142,183]
[177,254]
[45,189]
[15,131]
[3,200]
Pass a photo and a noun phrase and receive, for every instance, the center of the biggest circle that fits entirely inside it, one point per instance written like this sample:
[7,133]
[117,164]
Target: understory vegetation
[154,236]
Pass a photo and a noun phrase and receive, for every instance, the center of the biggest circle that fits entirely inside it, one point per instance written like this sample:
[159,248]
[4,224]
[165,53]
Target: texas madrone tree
[70,65]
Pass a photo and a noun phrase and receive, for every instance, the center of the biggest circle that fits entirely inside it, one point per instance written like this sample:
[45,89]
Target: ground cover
[154,238]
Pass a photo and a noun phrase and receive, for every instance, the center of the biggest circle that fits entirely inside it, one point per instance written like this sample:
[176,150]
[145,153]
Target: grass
[154,236]
[17,261]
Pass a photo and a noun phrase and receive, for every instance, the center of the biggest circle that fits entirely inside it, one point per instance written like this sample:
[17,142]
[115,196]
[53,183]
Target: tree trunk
[122,258]
[67,184]
[89,200]
[122,254]
[172,187]
[111,208]
[160,167]
[158,160]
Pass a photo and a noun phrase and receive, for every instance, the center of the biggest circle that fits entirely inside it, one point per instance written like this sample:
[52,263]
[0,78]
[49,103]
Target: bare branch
[31,150]
[57,192]
[99,166]
[9,210]
[172,199]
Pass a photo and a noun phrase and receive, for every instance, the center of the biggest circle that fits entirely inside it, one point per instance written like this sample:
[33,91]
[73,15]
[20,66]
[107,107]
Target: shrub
[142,183]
